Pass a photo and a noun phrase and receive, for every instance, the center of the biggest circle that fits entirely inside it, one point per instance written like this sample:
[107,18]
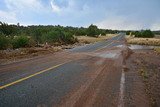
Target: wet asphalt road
[49,87]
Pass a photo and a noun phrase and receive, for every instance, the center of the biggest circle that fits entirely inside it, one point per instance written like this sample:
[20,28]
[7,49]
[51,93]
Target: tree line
[17,36]
[141,34]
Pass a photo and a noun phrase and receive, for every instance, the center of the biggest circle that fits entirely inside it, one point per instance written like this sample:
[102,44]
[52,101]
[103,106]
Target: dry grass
[87,39]
[143,41]
[157,50]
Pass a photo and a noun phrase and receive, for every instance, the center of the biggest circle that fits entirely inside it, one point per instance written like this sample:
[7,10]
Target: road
[86,76]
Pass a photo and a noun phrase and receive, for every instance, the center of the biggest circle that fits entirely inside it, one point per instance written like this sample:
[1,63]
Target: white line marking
[122,88]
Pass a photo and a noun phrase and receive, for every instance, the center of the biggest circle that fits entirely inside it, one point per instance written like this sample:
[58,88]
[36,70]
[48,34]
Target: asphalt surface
[43,82]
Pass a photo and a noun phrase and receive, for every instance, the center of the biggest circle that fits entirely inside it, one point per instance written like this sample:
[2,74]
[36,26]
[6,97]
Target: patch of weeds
[157,50]
[144,73]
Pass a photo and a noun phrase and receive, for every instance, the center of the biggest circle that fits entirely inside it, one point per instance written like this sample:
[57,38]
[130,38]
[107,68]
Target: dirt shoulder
[144,67]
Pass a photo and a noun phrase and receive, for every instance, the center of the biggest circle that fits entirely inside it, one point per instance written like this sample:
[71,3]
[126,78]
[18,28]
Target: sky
[106,14]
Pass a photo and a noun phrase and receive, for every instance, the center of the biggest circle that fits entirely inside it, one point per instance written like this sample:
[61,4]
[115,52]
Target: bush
[20,41]
[69,38]
[58,36]
[147,34]
[52,37]
[4,42]
[128,32]
[144,34]
[138,34]
[92,30]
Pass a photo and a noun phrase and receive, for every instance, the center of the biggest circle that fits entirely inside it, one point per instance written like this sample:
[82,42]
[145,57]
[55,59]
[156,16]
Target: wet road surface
[86,76]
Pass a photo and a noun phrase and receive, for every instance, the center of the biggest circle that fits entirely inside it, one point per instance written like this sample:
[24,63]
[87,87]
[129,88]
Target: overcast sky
[108,14]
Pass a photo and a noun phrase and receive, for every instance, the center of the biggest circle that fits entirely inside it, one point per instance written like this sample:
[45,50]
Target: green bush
[138,34]
[144,34]
[128,32]
[20,41]
[69,38]
[4,42]
[92,30]
[147,34]
[58,36]
[52,37]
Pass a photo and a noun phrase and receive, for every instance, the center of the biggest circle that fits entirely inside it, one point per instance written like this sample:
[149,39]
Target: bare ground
[143,75]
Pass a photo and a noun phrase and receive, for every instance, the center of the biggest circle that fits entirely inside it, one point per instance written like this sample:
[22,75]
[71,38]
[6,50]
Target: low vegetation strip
[87,39]
[144,41]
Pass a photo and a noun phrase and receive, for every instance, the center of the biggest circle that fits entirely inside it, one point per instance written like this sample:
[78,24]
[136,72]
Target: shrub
[92,30]
[128,32]
[69,38]
[147,34]
[52,37]
[138,34]
[4,42]
[20,41]
[59,37]
[144,34]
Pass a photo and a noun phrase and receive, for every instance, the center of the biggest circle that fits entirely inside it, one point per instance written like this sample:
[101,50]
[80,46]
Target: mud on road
[106,74]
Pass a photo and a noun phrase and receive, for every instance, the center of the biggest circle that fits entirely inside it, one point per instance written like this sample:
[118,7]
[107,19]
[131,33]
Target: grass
[143,73]
[157,50]
[143,41]
[87,39]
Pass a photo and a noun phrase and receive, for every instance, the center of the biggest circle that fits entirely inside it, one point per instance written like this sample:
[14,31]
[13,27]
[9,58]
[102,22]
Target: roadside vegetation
[144,37]
[143,41]
[16,36]
[157,49]
[88,39]
[141,34]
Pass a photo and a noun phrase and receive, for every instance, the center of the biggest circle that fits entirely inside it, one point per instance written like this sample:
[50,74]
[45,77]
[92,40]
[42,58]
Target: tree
[147,34]
[92,30]
[144,34]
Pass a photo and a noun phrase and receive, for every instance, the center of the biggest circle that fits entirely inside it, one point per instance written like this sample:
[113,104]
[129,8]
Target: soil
[144,72]
[22,54]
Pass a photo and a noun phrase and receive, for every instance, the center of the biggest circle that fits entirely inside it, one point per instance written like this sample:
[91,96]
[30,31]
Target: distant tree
[138,34]
[144,34]
[147,34]
[92,30]
[128,32]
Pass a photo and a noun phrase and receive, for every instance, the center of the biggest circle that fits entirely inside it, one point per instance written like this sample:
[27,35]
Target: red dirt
[143,79]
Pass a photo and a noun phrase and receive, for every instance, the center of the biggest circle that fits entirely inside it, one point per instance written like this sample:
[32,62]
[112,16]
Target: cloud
[156,26]
[22,10]
[113,21]
[55,7]
[9,17]
[24,5]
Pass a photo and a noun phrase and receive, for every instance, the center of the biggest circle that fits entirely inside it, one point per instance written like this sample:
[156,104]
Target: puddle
[138,47]
[109,55]
[120,46]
